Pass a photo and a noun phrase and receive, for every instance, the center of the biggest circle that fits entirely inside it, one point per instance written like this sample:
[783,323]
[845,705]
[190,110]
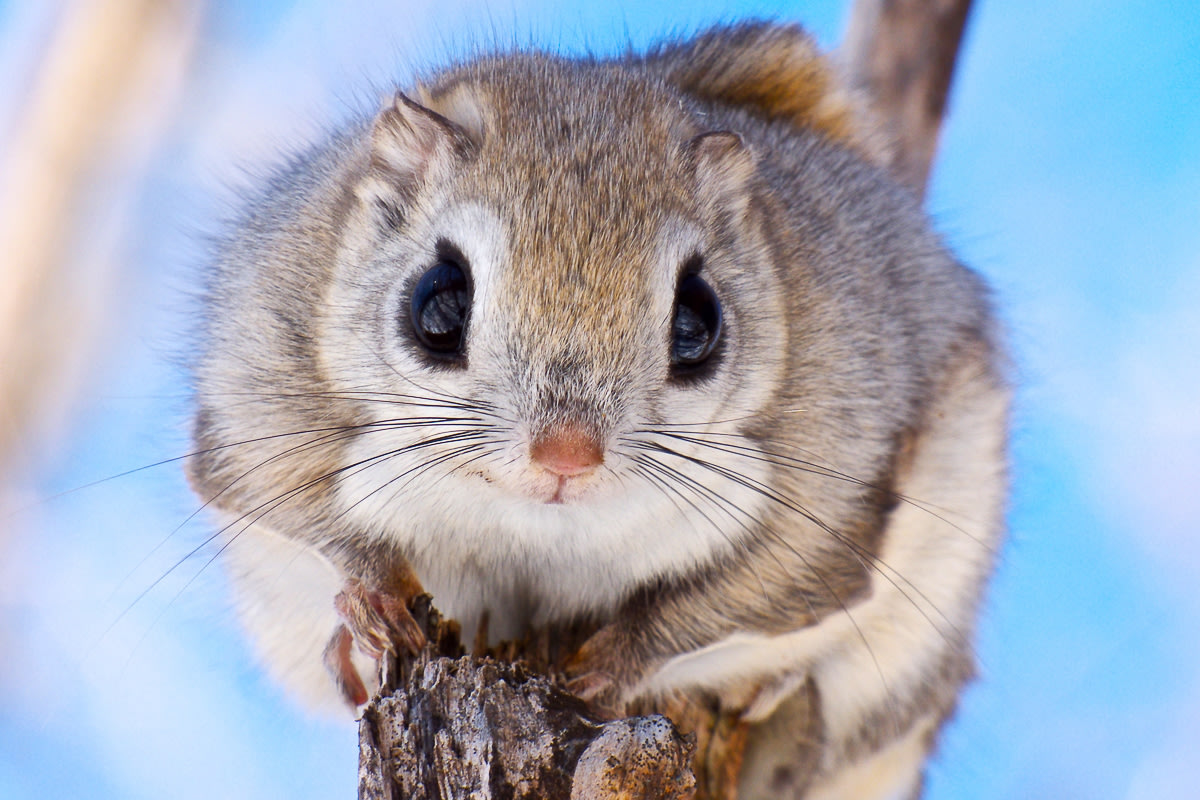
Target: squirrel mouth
[566,491]
[557,498]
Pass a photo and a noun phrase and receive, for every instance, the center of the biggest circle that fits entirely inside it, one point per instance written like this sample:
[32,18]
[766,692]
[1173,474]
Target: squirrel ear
[409,141]
[723,167]
[410,146]
[777,72]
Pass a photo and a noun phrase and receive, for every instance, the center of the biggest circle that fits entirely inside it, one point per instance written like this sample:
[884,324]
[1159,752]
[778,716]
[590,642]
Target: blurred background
[1068,174]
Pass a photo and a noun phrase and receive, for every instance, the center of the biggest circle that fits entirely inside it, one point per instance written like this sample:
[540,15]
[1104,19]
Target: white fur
[892,773]
[284,593]
[479,546]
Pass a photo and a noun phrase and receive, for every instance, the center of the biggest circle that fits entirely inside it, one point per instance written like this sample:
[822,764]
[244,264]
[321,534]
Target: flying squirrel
[655,343]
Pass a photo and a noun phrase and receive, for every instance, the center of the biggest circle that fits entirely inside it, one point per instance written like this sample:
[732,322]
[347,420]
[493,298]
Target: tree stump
[446,725]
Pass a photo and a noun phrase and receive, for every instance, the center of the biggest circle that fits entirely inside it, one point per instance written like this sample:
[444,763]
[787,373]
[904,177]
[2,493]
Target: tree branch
[902,54]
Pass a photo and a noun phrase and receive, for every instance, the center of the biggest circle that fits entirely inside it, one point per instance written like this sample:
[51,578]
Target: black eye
[697,325]
[440,303]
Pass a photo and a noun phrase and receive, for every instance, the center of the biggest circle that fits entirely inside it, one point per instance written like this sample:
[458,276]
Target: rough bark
[447,726]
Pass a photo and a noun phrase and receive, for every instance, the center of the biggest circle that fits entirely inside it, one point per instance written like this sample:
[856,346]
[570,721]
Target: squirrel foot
[595,673]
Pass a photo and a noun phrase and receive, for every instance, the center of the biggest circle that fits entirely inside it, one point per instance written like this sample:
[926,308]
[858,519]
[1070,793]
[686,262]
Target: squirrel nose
[567,451]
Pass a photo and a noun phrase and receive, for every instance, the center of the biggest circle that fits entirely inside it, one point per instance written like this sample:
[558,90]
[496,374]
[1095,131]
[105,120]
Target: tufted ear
[408,141]
[411,146]
[777,72]
[723,168]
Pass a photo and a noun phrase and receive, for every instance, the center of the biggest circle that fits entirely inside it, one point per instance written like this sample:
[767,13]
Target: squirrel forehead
[582,162]
[562,139]
[543,101]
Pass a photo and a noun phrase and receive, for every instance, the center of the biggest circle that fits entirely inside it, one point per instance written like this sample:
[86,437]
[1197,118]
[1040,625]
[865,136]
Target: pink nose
[567,451]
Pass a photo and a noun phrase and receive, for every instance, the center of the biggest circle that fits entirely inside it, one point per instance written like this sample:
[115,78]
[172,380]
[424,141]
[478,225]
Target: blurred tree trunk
[902,54]
[80,132]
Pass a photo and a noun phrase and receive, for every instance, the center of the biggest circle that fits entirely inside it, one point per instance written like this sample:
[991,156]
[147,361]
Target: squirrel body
[653,342]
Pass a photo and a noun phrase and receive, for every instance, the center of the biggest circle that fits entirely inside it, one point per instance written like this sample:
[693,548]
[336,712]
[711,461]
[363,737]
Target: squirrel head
[581,252]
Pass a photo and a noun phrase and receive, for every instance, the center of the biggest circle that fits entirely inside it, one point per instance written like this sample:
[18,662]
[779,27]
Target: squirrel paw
[375,621]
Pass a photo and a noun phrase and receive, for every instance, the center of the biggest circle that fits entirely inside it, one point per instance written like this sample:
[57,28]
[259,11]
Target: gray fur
[854,338]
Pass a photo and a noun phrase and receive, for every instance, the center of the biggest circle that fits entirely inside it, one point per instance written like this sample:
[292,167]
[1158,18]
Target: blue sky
[1069,175]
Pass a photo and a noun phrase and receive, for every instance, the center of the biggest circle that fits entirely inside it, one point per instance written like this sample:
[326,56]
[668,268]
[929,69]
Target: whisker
[667,474]
[782,460]
[866,558]
[408,378]
[249,518]
[414,472]
[173,460]
[389,398]
[482,452]
[333,435]
[854,549]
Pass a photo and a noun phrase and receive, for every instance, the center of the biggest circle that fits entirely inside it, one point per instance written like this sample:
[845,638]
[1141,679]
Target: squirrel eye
[439,307]
[697,324]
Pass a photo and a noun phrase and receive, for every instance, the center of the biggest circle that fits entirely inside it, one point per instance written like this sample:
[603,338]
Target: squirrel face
[590,284]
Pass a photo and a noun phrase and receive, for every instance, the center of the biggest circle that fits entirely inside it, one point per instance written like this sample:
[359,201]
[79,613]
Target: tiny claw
[599,691]
[597,672]
[368,630]
[377,621]
[403,627]
[337,660]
